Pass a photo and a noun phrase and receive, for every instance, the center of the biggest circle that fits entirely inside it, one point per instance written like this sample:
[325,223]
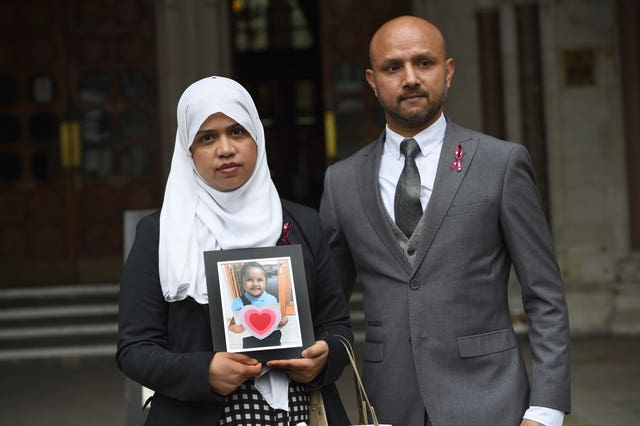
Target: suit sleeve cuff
[544,415]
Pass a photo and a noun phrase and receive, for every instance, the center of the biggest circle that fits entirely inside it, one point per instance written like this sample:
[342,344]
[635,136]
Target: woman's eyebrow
[199,132]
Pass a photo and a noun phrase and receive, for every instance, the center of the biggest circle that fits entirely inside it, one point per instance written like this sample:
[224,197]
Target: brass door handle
[70,144]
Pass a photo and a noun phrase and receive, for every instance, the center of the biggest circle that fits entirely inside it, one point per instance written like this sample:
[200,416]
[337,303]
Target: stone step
[78,320]
[64,311]
[107,350]
[43,342]
[58,295]
[24,333]
[58,321]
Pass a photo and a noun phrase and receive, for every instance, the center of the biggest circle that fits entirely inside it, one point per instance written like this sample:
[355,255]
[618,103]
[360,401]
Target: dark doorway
[277,58]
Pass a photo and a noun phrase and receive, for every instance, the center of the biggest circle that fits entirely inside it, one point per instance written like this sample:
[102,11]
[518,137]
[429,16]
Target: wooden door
[78,135]
[355,116]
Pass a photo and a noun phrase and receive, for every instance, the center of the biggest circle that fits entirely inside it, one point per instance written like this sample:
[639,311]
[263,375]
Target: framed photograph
[258,302]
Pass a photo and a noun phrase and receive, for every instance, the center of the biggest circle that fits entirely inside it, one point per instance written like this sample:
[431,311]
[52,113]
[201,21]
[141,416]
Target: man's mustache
[412,94]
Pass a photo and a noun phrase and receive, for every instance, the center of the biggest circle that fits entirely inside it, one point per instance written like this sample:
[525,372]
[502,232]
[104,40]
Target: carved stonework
[629,269]
[626,303]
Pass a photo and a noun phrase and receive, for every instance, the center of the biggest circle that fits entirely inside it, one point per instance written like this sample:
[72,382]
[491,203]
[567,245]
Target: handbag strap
[362,395]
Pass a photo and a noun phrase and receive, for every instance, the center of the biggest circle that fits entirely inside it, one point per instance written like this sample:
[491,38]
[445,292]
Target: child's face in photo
[254,281]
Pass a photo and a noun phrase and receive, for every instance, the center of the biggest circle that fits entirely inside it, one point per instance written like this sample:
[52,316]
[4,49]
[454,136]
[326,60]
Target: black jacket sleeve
[329,308]
[143,352]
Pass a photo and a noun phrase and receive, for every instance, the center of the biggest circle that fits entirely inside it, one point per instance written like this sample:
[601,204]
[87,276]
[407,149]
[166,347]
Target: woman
[219,195]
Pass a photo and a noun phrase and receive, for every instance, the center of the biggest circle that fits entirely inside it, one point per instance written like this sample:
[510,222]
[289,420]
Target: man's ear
[450,68]
[368,74]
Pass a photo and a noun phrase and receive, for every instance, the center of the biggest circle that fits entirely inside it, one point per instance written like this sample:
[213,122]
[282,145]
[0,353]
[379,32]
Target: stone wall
[584,143]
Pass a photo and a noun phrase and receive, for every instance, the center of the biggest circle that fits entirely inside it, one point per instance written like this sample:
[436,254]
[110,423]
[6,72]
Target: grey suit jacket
[439,338]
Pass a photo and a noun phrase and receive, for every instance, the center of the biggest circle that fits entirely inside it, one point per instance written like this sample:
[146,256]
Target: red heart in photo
[260,321]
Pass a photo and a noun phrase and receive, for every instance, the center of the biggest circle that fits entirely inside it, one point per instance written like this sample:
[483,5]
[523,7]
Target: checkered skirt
[246,407]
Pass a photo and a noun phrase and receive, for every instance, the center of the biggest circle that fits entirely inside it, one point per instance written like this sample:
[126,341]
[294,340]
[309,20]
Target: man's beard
[418,117]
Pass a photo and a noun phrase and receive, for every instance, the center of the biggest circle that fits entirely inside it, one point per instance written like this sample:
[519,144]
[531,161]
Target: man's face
[409,75]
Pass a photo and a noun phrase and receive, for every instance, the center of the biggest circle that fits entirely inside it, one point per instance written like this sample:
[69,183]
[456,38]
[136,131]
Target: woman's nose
[225,147]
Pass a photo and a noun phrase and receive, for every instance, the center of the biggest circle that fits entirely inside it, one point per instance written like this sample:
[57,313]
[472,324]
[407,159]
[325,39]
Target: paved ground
[90,391]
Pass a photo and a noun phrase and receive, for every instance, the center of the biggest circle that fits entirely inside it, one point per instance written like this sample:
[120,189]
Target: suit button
[411,251]
[414,284]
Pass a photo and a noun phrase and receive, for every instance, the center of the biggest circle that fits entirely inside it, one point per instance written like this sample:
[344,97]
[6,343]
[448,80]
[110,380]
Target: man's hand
[306,369]
[227,371]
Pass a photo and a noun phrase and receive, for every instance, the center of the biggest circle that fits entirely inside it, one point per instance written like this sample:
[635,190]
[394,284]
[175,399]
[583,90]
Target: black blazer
[167,347]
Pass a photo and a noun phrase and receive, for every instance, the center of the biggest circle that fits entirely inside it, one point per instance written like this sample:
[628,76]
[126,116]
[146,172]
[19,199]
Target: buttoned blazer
[439,333]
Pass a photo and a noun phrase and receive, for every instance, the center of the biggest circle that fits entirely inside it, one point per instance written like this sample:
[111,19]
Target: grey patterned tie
[406,204]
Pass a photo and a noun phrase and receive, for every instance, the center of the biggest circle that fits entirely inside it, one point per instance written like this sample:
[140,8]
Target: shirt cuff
[544,415]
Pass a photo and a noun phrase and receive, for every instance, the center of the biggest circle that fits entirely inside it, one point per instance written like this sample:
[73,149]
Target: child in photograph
[254,283]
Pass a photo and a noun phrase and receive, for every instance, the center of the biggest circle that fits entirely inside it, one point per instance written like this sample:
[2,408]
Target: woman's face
[224,153]
[254,281]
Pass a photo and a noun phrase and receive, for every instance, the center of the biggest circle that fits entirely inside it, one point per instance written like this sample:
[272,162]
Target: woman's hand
[227,371]
[304,370]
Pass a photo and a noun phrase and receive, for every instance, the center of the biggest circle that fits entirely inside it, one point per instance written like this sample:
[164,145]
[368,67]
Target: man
[440,347]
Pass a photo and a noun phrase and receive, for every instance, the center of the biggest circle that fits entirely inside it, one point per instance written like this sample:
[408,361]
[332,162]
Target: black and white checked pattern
[246,407]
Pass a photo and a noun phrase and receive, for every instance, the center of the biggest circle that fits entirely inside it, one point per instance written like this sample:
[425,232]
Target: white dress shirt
[392,162]
[430,141]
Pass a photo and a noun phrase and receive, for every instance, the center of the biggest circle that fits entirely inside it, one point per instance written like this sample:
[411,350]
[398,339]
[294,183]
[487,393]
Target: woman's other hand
[307,368]
[227,371]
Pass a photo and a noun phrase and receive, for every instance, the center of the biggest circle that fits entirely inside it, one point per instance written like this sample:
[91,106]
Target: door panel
[78,135]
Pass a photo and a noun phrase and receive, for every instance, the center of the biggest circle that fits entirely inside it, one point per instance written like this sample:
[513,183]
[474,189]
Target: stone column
[629,34]
[626,318]
[491,81]
[193,41]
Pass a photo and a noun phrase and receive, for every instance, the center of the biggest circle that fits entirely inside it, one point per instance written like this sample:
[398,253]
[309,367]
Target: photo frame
[259,289]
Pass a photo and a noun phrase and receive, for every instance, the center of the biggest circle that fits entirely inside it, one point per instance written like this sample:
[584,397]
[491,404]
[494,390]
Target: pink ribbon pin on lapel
[457,162]
[284,236]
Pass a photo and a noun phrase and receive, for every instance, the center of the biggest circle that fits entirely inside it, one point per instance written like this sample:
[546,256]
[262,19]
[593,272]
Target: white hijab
[196,217]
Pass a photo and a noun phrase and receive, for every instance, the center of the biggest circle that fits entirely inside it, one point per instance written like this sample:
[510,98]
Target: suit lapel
[369,190]
[446,184]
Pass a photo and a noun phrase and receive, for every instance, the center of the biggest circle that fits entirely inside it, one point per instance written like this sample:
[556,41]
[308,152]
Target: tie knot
[409,147]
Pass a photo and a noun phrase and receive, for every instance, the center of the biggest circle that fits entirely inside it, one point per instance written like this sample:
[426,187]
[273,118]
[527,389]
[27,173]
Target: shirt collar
[253,298]
[427,139]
